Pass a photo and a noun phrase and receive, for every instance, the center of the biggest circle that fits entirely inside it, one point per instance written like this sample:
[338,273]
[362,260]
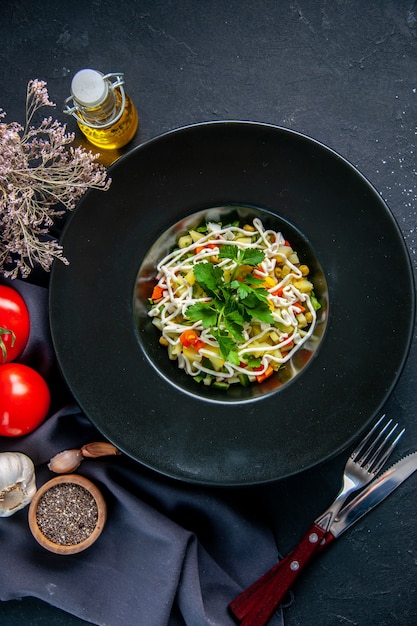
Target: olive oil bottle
[104,112]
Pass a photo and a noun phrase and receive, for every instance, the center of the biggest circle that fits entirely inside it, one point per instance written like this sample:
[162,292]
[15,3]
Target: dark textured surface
[342,72]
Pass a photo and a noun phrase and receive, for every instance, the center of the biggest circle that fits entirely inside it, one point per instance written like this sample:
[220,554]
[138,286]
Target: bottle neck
[104,113]
[101,116]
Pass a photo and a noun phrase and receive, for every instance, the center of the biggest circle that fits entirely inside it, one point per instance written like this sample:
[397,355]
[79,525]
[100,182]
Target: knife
[256,605]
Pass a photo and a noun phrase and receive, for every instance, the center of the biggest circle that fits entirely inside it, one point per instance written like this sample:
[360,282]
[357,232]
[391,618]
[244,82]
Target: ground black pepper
[67,514]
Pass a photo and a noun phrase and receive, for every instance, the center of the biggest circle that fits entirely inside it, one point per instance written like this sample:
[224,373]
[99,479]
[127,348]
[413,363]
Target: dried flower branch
[40,179]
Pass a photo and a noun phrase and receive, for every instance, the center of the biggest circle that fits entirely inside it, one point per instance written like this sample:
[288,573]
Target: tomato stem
[3,348]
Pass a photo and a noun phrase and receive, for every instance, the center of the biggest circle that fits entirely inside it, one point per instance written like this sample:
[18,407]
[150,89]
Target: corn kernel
[269,282]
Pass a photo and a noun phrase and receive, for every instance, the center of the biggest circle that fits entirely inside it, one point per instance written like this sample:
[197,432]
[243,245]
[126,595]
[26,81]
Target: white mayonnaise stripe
[273,343]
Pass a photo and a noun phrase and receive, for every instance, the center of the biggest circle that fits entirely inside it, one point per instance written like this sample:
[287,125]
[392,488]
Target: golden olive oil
[105,114]
[116,135]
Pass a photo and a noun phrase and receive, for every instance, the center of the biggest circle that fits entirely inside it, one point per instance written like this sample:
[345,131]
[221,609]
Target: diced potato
[215,359]
[173,351]
[227,274]
[301,319]
[195,235]
[185,241]
[259,346]
[293,258]
[245,240]
[285,250]
[309,317]
[191,354]
[190,277]
[274,337]
[286,329]
[244,270]
[303,285]
[180,291]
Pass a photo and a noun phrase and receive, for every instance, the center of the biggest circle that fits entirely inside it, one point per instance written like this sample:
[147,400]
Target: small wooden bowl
[44,538]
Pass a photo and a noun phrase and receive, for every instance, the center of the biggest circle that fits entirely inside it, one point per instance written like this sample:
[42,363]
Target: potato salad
[233,303]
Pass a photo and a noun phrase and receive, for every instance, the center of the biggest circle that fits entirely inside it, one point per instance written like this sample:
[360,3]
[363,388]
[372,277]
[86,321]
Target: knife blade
[375,493]
[258,602]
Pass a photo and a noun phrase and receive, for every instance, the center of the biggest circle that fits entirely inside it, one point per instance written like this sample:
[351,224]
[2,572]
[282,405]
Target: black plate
[243,441]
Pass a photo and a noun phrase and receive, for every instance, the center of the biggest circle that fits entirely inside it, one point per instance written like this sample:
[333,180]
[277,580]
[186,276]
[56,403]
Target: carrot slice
[189,338]
[268,372]
[157,293]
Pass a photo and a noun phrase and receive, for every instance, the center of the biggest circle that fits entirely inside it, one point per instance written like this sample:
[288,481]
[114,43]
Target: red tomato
[24,399]
[14,324]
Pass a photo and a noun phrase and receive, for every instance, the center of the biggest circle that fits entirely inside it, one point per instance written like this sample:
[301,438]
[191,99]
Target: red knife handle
[258,602]
[250,597]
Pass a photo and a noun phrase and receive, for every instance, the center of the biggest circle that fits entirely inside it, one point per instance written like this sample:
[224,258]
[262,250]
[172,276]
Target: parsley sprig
[233,302]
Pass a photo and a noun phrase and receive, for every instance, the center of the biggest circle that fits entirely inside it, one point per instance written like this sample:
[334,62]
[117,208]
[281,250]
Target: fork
[364,463]
[258,602]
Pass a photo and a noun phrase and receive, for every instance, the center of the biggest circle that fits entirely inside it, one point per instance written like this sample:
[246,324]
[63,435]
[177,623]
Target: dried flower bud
[65,462]
[99,448]
[42,178]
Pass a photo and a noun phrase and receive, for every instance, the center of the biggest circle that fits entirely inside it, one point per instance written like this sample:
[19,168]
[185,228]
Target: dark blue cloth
[170,554]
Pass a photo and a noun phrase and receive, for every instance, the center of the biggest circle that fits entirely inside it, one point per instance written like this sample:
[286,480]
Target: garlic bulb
[17,482]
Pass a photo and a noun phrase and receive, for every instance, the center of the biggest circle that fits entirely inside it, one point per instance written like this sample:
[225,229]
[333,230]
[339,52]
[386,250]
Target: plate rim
[240,123]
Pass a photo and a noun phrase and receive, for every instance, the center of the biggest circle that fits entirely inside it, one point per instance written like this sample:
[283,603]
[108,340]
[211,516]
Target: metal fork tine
[363,465]
[364,443]
[369,459]
[373,451]
[381,461]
